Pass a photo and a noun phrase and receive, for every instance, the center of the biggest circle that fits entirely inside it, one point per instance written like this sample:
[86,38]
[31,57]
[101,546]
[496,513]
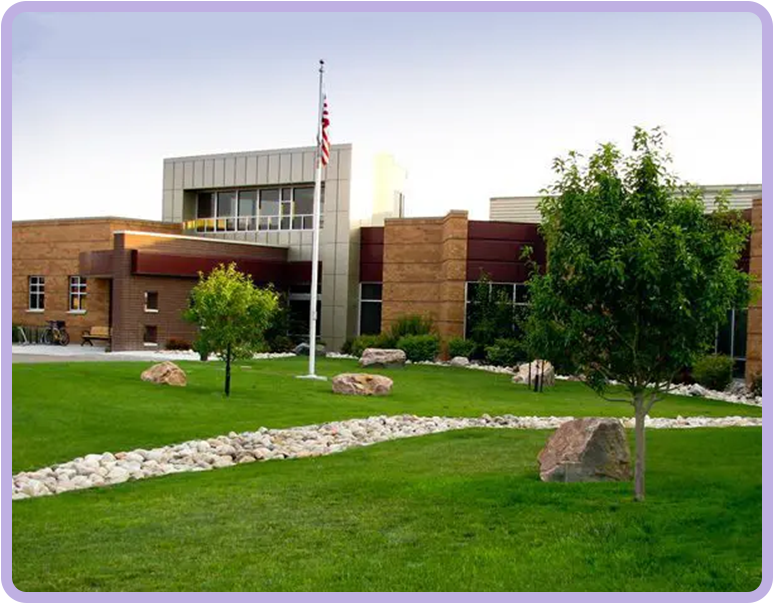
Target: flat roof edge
[190,238]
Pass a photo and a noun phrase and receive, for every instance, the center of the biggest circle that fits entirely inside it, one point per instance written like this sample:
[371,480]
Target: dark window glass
[472,290]
[151,300]
[739,341]
[37,292]
[304,200]
[723,337]
[502,292]
[226,204]
[287,194]
[269,202]
[150,334]
[205,206]
[521,293]
[371,291]
[248,203]
[370,318]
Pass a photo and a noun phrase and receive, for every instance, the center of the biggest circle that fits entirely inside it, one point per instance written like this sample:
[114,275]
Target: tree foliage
[638,275]
[232,314]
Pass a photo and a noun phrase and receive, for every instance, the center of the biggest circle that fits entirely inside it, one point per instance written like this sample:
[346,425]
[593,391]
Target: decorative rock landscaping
[530,373]
[382,358]
[296,442]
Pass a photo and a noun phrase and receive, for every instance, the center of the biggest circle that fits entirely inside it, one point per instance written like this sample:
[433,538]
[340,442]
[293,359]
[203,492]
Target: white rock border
[296,442]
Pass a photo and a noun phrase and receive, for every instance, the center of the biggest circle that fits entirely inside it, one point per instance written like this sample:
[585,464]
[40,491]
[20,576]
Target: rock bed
[297,442]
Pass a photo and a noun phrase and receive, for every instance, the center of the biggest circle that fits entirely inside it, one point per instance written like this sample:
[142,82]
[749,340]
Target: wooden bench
[95,333]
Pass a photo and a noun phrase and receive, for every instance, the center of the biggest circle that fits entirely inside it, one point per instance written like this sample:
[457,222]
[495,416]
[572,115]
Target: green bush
[713,371]
[757,385]
[177,344]
[411,324]
[363,342]
[346,348]
[505,352]
[419,347]
[280,344]
[458,346]
[202,347]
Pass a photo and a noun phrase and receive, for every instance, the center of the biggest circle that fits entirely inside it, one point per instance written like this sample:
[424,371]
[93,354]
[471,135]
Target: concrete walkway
[76,353]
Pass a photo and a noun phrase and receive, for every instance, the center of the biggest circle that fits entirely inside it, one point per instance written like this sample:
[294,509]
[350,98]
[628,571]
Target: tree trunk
[638,400]
[228,371]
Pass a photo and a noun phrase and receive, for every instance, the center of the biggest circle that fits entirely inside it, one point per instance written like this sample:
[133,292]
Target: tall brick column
[754,336]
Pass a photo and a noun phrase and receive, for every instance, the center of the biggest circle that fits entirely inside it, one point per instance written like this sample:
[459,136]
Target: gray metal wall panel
[229,171]
[273,169]
[198,174]
[285,168]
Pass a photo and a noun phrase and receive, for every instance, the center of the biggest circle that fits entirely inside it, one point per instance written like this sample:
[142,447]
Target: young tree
[638,276]
[232,314]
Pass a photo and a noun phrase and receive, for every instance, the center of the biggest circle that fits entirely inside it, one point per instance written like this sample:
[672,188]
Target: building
[255,209]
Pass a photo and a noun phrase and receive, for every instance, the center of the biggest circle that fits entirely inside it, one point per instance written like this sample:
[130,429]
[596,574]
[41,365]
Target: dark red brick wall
[372,254]
[496,247]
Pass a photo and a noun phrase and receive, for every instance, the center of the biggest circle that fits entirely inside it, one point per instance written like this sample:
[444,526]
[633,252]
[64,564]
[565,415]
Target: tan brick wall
[425,262]
[754,337]
[51,248]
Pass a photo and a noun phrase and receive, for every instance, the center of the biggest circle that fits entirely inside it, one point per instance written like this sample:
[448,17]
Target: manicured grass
[65,410]
[460,511]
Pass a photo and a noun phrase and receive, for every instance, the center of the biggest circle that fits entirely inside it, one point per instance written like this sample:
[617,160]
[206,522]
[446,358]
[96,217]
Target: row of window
[286,208]
[76,295]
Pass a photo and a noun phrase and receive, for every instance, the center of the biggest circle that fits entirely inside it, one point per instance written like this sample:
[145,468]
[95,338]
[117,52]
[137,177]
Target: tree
[638,276]
[232,314]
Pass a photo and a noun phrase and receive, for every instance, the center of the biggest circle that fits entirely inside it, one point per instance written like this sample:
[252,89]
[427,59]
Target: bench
[95,333]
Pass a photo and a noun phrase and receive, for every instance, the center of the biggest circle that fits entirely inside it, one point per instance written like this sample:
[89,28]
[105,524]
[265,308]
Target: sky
[472,105]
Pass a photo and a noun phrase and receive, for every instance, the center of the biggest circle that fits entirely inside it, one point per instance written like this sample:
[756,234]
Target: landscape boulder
[459,361]
[302,349]
[528,373]
[383,358]
[165,372]
[361,384]
[586,450]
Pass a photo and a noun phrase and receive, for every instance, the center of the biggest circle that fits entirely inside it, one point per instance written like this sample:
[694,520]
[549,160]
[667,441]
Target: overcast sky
[472,105]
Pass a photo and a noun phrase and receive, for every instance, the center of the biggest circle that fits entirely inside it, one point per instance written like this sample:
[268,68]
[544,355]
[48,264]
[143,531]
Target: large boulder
[459,361]
[383,358]
[361,384]
[165,372]
[586,450]
[528,373]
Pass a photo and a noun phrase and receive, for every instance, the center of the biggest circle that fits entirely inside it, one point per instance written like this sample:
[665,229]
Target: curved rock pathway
[296,442]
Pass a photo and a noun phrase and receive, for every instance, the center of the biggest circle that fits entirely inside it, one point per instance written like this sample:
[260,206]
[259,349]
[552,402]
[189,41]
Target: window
[77,294]
[150,335]
[299,305]
[37,289]
[370,308]
[513,294]
[151,301]
[280,208]
[731,340]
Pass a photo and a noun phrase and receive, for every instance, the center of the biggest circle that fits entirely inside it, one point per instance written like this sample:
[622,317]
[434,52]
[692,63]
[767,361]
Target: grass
[65,410]
[459,511]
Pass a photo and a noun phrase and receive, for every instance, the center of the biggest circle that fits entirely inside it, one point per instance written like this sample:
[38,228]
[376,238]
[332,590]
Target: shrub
[458,346]
[419,347]
[411,324]
[713,371]
[202,347]
[757,385]
[363,342]
[177,344]
[280,344]
[505,352]
[346,348]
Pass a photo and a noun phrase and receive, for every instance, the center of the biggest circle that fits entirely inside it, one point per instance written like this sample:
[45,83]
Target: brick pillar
[754,334]
[453,274]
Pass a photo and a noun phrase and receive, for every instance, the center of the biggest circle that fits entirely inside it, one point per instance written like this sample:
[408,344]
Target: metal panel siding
[229,171]
[209,173]
[296,174]
[344,164]
[178,174]
[177,205]
[219,179]
[198,174]
[188,174]
[251,175]
[166,205]
[273,169]
[308,167]
[240,171]
[168,174]
[285,168]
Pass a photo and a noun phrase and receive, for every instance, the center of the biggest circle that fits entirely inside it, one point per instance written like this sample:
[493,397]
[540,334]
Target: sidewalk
[77,353]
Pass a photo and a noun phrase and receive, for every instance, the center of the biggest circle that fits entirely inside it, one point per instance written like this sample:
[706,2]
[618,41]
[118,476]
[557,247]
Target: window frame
[77,290]
[39,293]
[361,301]
[148,309]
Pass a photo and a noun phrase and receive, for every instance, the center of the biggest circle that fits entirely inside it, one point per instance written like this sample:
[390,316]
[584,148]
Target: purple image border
[302,6]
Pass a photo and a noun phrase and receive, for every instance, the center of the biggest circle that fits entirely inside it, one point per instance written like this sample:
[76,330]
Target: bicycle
[56,333]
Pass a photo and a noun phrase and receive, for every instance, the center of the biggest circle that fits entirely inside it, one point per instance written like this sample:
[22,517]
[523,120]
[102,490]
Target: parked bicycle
[56,333]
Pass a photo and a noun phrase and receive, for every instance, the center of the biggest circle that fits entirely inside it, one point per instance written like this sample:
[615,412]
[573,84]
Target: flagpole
[315,237]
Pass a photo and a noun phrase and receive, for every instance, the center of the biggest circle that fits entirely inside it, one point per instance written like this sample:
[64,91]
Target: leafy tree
[637,276]
[492,314]
[232,314]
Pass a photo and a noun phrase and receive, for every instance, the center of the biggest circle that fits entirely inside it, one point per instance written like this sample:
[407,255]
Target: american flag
[324,148]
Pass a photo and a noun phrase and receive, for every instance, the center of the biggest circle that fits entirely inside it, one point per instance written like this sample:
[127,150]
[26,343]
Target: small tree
[638,275]
[232,314]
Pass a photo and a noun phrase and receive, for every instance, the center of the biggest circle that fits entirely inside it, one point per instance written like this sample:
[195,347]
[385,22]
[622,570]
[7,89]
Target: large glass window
[512,298]
[370,308]
[280,208]
[299,303]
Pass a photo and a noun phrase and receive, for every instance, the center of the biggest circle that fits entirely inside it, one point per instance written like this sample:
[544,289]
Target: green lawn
[460,511]
[61,411]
